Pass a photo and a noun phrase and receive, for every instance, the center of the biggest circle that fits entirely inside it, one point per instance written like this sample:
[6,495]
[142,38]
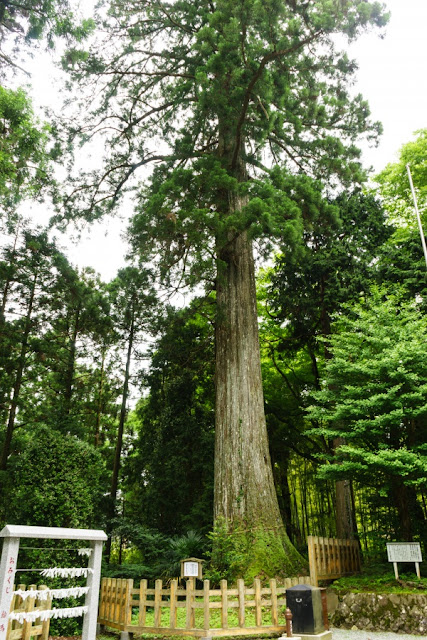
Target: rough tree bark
[244,489]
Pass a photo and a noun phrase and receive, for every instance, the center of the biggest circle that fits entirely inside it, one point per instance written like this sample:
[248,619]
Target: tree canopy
[394,185]
[22,21]
[374,394]
[243,110]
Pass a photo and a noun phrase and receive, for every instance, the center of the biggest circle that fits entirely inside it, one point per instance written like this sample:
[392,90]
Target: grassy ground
[381,579]
[215,618]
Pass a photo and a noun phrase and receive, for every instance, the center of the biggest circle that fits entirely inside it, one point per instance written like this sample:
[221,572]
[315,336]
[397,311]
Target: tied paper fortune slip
[44,594]
[66,572]
[47,614]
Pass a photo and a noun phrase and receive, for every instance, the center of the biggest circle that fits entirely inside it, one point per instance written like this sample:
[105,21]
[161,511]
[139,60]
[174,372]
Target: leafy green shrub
[56,482]
[225,556]
[158,556]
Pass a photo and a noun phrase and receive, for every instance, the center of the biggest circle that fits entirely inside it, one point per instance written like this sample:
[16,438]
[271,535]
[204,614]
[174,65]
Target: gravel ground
[346,634]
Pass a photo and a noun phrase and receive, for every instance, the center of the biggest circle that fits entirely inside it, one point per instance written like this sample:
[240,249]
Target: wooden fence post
[274,609]
[142,602]
[173,602]
[157,603]
[258,613]
[224,604]
[128,601]
[188,603]
[312,560]
[110,598]
[206,608]
[241,599]
[46,624]
[29,606]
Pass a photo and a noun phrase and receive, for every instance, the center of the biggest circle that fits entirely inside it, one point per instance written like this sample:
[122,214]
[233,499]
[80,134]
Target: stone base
[325,635]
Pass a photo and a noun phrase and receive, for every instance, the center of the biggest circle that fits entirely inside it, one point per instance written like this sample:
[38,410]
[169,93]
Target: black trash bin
[305,603]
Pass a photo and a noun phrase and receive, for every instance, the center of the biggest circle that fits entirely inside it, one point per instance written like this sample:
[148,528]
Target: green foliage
[373,395]
[402,263]
[24,21]
[174,448]
[377,578]
[333,267]
[394,185]
[250,553]
[56,482]
[225,558]
[231,82]
[153,555]
[298,298]
[24,158]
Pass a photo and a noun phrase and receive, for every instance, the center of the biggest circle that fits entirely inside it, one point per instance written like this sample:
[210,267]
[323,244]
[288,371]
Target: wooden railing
[27,630]
[330,558]
[171,610]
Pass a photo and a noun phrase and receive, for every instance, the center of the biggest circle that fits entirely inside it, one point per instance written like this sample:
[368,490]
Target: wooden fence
[330,558]
[171,610]
[26,630]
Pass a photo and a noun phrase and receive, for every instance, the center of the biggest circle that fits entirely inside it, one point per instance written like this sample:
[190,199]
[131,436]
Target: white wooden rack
[12,535]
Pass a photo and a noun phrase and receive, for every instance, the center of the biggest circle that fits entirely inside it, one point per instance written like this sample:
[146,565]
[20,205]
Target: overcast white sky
[392,77]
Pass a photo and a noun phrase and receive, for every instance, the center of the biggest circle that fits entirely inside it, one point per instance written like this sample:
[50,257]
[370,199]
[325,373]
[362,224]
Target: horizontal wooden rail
[27,630]
[331,558]
[205,612]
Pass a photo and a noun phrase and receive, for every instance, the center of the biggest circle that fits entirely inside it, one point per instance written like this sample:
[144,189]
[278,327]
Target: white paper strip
[64,572]
[44,594]
[32,616]
[84,552]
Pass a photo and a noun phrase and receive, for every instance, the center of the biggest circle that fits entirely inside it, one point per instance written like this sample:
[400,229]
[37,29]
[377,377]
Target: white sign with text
[404,552]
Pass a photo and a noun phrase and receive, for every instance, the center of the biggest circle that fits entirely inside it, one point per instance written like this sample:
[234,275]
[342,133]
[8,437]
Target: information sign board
[404,552]
[191,570]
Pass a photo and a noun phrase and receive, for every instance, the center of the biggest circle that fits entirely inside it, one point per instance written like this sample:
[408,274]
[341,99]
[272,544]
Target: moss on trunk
[245,495]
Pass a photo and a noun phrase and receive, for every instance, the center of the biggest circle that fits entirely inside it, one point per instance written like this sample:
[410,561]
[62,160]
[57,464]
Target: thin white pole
[423,242]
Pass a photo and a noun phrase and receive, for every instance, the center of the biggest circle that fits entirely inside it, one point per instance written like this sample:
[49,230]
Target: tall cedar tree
[226,99]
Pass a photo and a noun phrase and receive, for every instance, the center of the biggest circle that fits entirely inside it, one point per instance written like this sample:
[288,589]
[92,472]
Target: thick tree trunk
[344,510]
[245,495]
[402,502]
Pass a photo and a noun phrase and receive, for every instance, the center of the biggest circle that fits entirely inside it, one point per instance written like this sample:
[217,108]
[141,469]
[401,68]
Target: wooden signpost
[404,552]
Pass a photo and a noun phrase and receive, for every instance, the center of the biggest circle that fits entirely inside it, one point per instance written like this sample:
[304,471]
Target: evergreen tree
[23,21]
[175,423]
[306,289]
[24,158]
[56,481]
[133,301]
[32,262]
[374,395]
[210,93]
[393,182]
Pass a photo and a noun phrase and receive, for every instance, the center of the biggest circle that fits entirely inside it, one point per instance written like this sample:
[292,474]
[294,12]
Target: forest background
[341,309]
